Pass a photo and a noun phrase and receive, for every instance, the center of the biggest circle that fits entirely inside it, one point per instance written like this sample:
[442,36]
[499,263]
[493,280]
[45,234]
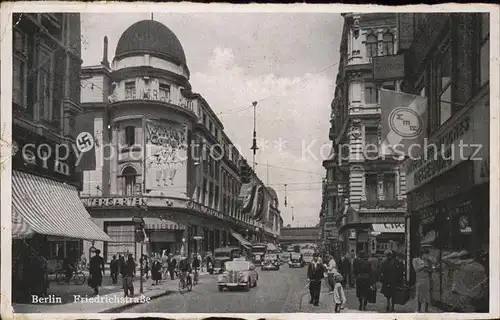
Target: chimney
[104,61]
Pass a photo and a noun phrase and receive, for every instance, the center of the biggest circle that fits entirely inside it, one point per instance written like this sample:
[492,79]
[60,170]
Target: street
[282,291]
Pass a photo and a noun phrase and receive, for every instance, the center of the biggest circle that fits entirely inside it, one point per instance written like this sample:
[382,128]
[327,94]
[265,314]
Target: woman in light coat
[423,270]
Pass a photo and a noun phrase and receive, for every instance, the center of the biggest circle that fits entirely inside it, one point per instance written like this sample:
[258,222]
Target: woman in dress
[156,270]
[423,268]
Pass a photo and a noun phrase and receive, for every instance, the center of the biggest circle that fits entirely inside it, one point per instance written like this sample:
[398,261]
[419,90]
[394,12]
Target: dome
[150,37]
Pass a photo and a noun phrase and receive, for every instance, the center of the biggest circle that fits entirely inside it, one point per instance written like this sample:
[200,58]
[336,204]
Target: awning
[49,207]
[389,228]
[242,240]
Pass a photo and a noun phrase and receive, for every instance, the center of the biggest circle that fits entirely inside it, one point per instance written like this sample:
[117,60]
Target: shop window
[164,92]
[371,187]
[484,56]
[45,78]
[130,90]
[371,46]
[129,136]
[56,249]
[389,186]
[129,179]
[388,42]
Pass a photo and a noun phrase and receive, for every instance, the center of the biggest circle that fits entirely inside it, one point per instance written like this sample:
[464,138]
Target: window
[164,92]
[210,127]
[20,67]
[129,136]
[216,202]
[371,46]
[389,186]
[444,70]
[130,90]
[371,187]
[216,134]
[204,119]
[129,178]
[204,193]
[484,50]
[45,77]
[371,137]
[388,42]
[371,93]
[210,194]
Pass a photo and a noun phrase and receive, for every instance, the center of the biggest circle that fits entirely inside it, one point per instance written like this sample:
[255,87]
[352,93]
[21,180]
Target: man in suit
[315,273]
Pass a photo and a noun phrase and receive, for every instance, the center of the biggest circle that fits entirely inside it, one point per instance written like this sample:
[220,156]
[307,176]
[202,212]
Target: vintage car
[284,257]
[238,274]
[271,262]
[296,260]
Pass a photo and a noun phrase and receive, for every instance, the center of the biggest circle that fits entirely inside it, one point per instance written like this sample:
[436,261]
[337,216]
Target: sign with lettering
[389,228]
[37,154]
[388,67]
[114,202]
[205,210]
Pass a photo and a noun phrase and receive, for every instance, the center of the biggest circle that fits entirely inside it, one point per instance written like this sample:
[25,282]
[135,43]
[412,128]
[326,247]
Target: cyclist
[185,269]
[69,268]
[196,263]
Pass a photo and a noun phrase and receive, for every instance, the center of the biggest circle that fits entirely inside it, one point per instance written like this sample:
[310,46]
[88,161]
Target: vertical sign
[166,158]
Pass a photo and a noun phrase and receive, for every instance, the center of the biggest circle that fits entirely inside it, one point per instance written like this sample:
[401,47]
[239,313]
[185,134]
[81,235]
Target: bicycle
[196,277]
[78,277]
[185,284]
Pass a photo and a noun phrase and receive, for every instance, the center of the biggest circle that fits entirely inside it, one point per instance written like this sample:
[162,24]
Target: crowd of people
[362,272]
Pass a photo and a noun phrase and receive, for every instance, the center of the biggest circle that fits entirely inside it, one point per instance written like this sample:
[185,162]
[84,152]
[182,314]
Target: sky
[287,62]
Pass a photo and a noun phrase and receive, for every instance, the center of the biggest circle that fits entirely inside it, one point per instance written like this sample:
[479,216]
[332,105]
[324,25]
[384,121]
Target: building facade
[161,153]
[48,218]
[447,62]
[364,201]
[296,236]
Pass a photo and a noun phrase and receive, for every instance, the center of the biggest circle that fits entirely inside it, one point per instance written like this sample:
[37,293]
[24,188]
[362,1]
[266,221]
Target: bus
[258,252]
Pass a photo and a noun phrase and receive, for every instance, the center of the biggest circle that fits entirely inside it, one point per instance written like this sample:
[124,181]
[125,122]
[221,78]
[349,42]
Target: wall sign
[205,210]
[37,154]
[114,202]
[388,67]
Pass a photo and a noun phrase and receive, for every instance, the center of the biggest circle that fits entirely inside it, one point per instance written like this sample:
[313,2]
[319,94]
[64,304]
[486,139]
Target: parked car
[296,260]
[271,262]
[285,257]
[238,274]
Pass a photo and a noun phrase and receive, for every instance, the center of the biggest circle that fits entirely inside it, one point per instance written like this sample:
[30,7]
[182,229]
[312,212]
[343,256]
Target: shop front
[448,212]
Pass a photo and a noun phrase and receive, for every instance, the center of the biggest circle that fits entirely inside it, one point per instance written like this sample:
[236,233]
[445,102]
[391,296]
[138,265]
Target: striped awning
[241,239]
[162,224]
[49,207]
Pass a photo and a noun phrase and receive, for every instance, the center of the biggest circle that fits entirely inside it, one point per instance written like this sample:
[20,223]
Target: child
[338,293]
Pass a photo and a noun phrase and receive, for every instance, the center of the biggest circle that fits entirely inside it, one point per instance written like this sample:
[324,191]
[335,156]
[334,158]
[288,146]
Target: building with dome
[161,153]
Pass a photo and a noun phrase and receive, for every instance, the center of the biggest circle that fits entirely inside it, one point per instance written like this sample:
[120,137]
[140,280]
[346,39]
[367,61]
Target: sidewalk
[108,300]
[326,303]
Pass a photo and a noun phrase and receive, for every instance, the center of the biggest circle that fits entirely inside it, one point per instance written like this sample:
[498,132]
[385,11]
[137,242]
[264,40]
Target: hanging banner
[246,197]
[166,158]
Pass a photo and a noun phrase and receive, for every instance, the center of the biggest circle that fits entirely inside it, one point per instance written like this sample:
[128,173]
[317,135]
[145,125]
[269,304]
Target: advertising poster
[166,158]
[261,203]
[246,197]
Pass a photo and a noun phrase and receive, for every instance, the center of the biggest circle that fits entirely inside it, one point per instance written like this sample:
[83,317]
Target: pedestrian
[129,272]
[362,273]
[96,271]
[315,273]
[331,270]
[339,298]
[375,265]
[156,271]
[114,269]
[164,264]
[144,261]
[391,278]
[171,265]
[423,270]
[83,262]
[121,264]
[352,278]
[344,267]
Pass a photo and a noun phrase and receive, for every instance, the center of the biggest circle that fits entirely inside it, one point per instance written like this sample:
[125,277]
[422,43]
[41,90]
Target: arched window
[371,46]
[388,40]
[129,179]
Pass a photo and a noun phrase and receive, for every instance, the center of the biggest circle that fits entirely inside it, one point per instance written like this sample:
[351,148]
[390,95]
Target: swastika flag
[404,122]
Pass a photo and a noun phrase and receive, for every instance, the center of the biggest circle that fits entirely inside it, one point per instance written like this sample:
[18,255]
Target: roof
[150,37]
